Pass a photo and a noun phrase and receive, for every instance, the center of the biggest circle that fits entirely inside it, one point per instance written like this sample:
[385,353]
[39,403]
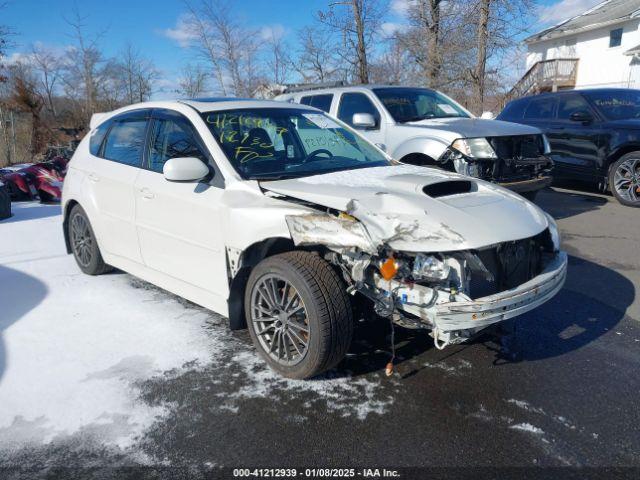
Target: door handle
[146,193]
[94,178]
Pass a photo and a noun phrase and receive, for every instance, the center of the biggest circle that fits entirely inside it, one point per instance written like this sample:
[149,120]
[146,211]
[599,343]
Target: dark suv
[594,135]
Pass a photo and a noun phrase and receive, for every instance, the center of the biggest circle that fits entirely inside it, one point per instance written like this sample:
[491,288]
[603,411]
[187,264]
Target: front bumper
[435,309]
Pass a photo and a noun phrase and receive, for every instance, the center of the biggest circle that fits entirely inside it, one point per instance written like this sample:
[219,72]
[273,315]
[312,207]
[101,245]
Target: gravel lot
[177,389]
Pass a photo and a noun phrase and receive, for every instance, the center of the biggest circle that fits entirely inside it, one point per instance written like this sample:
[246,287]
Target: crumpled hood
[391,204]
[473,127]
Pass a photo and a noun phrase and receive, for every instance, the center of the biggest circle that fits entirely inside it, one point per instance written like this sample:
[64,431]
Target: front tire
[298,314]
[624,179]
[83,243]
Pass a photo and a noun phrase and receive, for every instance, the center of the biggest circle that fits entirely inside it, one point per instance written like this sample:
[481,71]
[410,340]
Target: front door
[578,142]
[357,102]
[179,224]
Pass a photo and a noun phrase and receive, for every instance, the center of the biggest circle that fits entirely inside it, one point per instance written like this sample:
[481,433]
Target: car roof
[573,90]
[344,88]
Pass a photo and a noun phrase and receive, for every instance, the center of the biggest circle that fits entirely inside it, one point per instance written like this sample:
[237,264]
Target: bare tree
[317,60]
[226,43]
[49,67]
[84,66]
[5,33]
[193,82]
[357,22]
[137,74]
[278,59]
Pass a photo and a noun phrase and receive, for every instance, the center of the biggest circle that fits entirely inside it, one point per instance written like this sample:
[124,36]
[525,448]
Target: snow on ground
[77,352]
[73,346]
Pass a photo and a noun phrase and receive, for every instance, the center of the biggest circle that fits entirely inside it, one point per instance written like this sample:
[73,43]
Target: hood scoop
[448,188]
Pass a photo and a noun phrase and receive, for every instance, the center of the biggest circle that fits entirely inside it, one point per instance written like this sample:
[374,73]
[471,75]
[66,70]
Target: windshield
[413,104]
[616,104]
[276,143]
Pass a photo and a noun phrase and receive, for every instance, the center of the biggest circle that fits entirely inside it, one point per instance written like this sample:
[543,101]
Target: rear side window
[352,103]
[172,139]
[513,111]
[125,142]
[323,102]
[540,108]
[97,136]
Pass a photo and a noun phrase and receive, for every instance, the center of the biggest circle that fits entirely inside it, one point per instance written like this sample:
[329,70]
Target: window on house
[615,38]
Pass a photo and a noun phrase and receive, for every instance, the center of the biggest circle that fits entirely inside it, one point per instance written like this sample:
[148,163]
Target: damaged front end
[454,294]
[520,163]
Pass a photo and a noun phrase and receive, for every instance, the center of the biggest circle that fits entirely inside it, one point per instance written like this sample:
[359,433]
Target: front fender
[431,147]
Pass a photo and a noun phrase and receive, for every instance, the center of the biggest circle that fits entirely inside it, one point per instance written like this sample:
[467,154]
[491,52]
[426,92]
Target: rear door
[112,171]
[179,224]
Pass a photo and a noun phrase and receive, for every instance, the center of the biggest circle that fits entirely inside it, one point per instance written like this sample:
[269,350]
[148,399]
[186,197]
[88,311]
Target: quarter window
[125,141]
[540,109]
[172,139]
[352,103]
[97,136]
[323,102]
[615,38]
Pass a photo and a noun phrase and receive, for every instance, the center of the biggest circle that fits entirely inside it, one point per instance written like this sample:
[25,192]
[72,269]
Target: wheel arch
[249,258]
[65,223]
[622,150]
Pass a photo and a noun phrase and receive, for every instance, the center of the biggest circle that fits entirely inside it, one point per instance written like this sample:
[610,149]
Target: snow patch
[527,427]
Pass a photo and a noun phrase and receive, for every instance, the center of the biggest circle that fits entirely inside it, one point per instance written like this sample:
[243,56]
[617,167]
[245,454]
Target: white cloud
[182,33]
[390,28]
[272,32]
[400,7]
[564,9]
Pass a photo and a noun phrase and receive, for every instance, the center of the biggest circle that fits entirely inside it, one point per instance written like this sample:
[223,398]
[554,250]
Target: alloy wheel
[280,319]
[626,180]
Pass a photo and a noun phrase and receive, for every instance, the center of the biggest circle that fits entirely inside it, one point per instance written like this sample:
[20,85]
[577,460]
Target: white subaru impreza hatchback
[284,219]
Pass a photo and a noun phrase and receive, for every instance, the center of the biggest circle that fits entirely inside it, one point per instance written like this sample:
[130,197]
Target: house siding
[599,65]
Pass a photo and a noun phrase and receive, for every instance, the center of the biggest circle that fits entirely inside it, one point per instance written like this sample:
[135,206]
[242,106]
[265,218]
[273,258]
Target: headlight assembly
[554,232]
[474,147]
[429,267]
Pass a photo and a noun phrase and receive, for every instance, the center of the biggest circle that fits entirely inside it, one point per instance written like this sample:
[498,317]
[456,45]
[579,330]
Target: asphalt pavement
[562,389]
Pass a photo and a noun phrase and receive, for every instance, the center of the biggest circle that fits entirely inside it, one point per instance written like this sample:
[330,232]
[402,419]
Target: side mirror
[581,116]
[363,120]
[185,169]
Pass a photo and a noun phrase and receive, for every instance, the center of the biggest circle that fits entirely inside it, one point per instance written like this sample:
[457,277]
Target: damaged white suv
[284,220]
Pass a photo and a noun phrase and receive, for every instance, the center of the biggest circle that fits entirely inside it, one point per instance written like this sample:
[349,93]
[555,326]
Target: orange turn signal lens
[389,268]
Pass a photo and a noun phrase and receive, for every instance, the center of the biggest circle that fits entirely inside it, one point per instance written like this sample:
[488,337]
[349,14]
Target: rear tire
[298,314]
[624,179]
[84,244]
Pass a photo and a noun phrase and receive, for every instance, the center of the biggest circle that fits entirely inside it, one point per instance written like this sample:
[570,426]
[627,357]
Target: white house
[598,48]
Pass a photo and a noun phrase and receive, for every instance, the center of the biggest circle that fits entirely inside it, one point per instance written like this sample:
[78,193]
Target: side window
[172,139]
[323,102]
[540,108]
[351,103]
[97,136]
[125,142]
[568,104]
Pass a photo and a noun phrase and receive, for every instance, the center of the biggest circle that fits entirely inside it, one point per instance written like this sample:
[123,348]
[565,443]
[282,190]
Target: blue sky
[151,24]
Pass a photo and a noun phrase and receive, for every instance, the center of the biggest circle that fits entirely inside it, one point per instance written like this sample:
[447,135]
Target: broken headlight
[554,232]
[429,267]
[474,147]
